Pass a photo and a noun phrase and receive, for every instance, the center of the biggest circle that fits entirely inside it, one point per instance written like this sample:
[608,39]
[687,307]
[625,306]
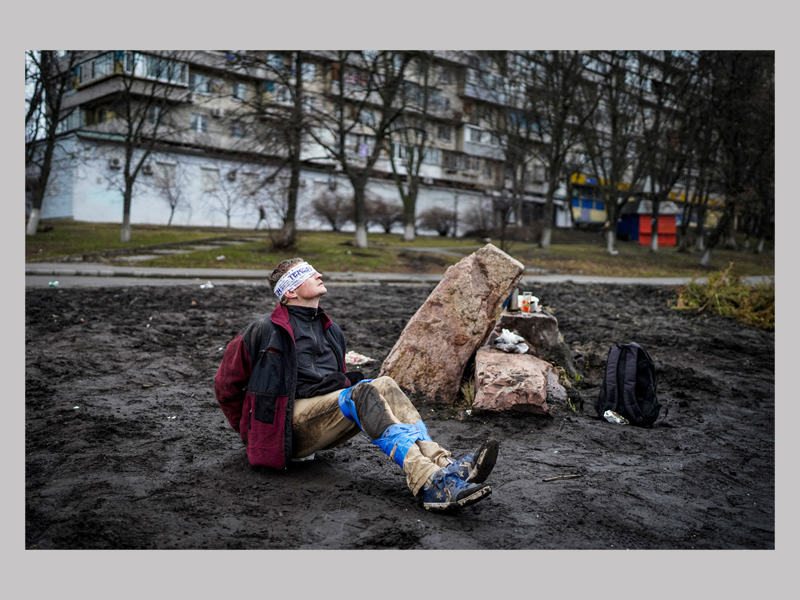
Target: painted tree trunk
[125,235]
[360,213]
[699,243]
[409,211]
[706,260]
[610,235]
[33,222]
[408,232]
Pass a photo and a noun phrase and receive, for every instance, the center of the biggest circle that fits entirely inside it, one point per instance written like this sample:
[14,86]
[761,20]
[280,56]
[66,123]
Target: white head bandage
[294,278]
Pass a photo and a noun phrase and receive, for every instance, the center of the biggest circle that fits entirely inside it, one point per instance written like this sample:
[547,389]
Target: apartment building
[217,120]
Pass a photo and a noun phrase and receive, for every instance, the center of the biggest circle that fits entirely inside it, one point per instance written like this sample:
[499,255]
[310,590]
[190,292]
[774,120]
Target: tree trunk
[654,227]
[547,229]
[360,214]
[699,243]
[610,235]
[125,236]
[760,245]
[33,222]
[171,214]
[409,211]
[547,234]
[706,260]
[289,234]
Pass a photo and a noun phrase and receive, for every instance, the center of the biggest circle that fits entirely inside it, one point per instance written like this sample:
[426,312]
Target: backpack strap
[629,384]
[612,362]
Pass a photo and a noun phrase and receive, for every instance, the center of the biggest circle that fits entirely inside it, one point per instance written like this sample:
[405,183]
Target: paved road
[101,275]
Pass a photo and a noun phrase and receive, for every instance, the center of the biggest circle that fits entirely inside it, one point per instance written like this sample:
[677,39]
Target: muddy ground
[126,447]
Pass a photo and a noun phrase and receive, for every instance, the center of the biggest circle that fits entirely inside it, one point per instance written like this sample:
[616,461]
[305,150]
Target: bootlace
[454,480]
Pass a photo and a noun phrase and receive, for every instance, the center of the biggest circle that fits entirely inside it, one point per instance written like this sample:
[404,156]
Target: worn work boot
[475,467]
[446,491]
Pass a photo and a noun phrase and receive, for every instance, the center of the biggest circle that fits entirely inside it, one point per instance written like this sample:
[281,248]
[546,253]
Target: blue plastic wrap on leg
[346,404]
[399,437]
[423,430]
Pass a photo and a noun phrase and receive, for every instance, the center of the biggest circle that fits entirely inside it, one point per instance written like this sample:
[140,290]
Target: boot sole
[485,459]
[477,495]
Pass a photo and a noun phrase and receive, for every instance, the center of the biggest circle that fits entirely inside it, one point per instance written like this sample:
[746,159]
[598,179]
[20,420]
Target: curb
[97,270]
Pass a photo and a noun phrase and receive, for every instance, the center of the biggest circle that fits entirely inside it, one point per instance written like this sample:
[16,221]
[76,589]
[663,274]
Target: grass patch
[725,294]
[65,237]
[572,252]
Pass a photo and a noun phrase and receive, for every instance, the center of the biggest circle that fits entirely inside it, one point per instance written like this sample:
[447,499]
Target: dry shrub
[726,294]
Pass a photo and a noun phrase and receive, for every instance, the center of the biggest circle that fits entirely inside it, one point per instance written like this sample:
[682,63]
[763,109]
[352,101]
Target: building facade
[218,123]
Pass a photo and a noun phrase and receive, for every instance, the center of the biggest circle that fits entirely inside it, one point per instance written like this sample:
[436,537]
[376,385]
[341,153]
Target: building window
[165,174]
[474,135]
[209,179]
[488,171]
[153,114]
[432,156]
[368,118]
[472,163]
[282,94]
[446,75]
[445,133]
[98,67]
[199,122]
[200,84]
[237,130]
[309,71]
[239,90]
[154,67]
[275,61]
[356,78]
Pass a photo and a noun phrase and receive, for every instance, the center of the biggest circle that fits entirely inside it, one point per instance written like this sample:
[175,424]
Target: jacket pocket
[264,407]
[266,441]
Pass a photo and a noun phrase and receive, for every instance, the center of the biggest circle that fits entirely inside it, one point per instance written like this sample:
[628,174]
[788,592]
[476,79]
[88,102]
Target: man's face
[312,288]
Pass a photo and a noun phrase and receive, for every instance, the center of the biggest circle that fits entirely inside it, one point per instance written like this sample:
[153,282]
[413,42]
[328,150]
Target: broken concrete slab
[431,353]
[519,382]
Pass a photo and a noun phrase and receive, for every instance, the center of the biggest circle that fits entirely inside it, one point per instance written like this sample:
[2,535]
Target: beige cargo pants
[318,424]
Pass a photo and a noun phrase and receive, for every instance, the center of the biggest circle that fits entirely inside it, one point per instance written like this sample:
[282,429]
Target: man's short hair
[279,272]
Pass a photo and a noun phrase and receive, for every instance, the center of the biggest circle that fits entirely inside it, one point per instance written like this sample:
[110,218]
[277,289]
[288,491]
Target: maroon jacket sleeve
[230,383]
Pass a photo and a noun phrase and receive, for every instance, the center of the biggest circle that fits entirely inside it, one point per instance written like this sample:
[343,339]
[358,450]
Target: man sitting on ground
[284,387]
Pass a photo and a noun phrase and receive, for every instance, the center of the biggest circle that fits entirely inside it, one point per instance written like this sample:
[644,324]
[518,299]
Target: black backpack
[629,386]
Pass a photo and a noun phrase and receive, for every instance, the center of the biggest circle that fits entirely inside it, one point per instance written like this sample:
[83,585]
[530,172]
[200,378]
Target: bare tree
[170,181]
[48,78]
[333,207]
[742,97]
[228,191]
[514,126]
[560,107]
[139,109]
[362,84]
[384,213]
[611,136]
[438,219]
[700,170]
[409,143]
[277,118]
[670,84]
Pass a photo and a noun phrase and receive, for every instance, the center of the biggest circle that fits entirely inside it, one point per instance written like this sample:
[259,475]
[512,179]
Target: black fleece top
[315,357]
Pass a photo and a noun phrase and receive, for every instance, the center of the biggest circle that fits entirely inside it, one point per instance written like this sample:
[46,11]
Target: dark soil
[126,447]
